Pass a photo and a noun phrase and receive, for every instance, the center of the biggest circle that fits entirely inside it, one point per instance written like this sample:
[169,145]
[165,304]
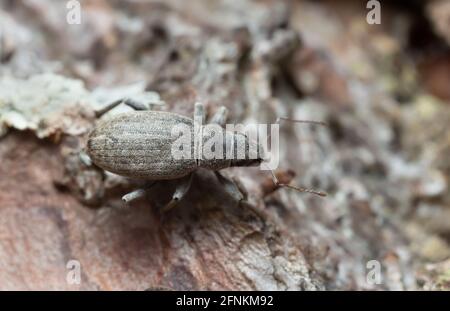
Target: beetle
[138,144]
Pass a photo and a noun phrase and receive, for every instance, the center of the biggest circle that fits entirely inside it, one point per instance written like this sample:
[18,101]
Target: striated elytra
[138,145]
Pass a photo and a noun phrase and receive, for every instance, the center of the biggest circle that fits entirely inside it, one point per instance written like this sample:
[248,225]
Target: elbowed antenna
[300,121]
[299,189]
[275,179]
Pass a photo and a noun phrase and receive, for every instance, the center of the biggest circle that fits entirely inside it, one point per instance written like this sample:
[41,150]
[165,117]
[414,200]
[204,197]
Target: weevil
[138,144]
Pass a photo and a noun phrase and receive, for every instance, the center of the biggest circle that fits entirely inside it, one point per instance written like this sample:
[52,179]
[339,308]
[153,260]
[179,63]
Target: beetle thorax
[229,149]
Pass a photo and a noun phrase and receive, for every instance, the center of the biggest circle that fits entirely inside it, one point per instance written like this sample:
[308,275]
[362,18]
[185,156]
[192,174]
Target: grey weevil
[138,144]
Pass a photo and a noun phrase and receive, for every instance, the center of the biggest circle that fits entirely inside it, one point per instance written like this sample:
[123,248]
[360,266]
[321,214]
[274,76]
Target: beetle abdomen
[138,145]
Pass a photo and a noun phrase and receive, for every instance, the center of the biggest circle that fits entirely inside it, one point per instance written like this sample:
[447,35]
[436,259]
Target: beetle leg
[144,101]
[108,107]
[231,187]
[220,117]
[180,191]
[199,113]
[133,195]
[85,158]
[140,103]
[136,194]
[236,191]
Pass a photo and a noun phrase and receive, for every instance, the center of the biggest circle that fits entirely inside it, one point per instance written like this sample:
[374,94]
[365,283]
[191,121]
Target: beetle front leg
[180,191]
[220,117]
[237,192]
[231,187]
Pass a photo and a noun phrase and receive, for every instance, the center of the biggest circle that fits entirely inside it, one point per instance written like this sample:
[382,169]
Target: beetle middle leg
[181,189]
[138,193]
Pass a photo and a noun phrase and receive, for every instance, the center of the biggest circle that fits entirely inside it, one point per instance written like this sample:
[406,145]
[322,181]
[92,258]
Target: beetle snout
[248,151]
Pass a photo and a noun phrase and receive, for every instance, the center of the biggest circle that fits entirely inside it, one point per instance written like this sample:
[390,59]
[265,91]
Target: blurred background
[379,78]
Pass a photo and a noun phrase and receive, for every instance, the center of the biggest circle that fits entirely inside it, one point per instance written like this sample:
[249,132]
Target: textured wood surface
[383,90]
[205,243]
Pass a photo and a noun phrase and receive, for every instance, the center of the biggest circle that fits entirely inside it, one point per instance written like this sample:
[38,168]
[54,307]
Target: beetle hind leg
[180,191]
[143,101]
[199,113]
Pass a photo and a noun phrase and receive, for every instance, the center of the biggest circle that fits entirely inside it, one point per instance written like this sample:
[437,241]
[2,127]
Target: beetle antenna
[279,119]
[299,189]
[300,121]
